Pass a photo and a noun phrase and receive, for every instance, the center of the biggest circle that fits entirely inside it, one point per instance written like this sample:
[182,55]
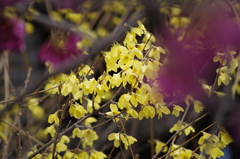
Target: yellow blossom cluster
[228,64]
[212,145]
[125,139]
[132,66]
[183,153]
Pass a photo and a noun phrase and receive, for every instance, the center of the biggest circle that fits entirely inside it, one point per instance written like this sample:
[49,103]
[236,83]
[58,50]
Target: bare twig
[188,140]
[156,155]
[25,133]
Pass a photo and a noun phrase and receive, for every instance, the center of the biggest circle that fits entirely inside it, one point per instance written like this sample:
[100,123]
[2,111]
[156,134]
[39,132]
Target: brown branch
[99,45]
[188,140]
[156,155]
[23,132]
[75,125]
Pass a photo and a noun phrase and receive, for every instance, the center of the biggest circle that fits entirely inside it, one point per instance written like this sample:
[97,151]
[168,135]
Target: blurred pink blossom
[12,33]
[60,49]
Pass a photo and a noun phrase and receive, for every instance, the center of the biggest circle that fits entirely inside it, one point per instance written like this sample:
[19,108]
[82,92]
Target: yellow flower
[133,100]
[176,110]
[127,140]
[125,61]
[129,77]
[132,112]
[116,138]
[141,26]
[29,28]
[34,107]
[51,130]
[77,111]
[97,155]
[185,154]
[224,78]
[53,118]
[147,111]
[115,81]
[225,137]
[76,132]
[89,135]
[88,86]
[216,153]
[100,89]
[38,156]
[152,68]
[64,139]
[187,131]
[198,106]
[175,11]
[176,128]
[111,65]
[74,17]
[188,100]
[234,63]
[136,52]
[83,70]
[90,105]
[178,22]
[56,16]
[137,31]
[90,120]
[159,145]
[155,52]
[221,57]
[123,101]
[148,37]
[102,32]
[162,109]
[83,155]
[130,40]
[70,155]
[60,147]
[208,140]
[114,111]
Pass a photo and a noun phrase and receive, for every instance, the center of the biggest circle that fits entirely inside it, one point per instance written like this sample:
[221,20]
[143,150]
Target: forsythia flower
[176,110]
[97,155]
[216,153]
[159,145]
[127,140]
[70,155]
[176,127]
[114,111]
[53,118]
[208,141]
[77,111]
[76,132]
[83,70]
[198,106]
[147,111]
[51,130]
[89,135]
[162,109]
[90,120]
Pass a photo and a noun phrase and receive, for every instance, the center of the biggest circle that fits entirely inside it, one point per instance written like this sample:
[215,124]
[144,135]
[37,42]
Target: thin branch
[23,132]
[188,140]
[158,153]
[75,125]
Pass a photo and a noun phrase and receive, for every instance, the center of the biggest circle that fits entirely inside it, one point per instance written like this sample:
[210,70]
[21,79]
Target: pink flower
[12,35]
[60,49]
